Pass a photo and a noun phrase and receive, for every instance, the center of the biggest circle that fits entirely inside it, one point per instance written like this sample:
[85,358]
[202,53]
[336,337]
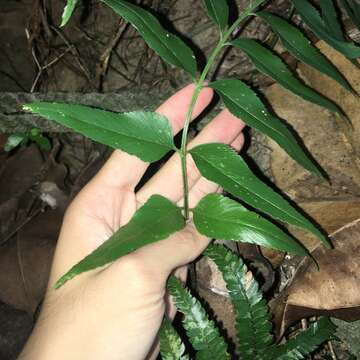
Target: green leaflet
[202,332]
[147,135]
[219,217]
[68,10]
[222,165]
[33,135]
[168,46]
[253,325]
[155,220]
[171,346]
[298,45]
[329,15]
[306,342]
[312,18]
[272,65]
[244,104]
[353,10]
[218,10]
[14,140]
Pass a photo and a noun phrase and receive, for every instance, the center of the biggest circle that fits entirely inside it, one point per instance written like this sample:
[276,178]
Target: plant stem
[199,85]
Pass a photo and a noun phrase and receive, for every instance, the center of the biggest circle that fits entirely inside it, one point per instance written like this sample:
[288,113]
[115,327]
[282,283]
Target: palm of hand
[127,299]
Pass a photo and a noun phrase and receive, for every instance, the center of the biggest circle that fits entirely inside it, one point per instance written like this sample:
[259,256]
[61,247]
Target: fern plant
[253,326]
[149,136]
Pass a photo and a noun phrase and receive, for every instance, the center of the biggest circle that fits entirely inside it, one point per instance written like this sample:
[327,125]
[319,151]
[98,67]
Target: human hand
[116,312]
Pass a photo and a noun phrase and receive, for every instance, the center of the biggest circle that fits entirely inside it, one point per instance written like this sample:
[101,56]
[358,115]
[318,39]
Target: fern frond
[252,317]
[171,346]
[202,332]
[306,342]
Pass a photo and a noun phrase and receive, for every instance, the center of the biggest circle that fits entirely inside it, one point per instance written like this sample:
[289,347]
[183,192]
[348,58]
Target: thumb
[179,249]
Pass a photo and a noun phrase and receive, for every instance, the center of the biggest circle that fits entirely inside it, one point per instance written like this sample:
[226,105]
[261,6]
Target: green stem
[199,85]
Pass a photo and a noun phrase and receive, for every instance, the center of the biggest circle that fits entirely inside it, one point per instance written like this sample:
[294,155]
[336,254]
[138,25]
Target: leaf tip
[320,173]
[60,282]
[328,244]
[326,241]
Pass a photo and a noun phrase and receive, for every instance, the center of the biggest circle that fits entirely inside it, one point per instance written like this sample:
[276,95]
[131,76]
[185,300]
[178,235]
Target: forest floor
[98,53]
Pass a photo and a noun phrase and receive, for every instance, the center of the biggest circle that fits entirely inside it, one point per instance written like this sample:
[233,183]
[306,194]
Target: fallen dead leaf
[330,214]
[334,290]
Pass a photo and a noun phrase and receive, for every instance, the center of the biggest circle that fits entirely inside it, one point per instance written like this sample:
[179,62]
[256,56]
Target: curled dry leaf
[334,290]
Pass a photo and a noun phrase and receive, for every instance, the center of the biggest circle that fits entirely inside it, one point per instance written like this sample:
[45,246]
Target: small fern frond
[202,332]
[252,317]
[171,346]
[306,342]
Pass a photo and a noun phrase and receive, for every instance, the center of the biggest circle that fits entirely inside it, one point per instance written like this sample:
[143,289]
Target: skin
[116,312]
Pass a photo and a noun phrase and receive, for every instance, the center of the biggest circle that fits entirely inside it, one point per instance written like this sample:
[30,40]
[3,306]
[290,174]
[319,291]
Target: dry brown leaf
[334,290]
[330,215]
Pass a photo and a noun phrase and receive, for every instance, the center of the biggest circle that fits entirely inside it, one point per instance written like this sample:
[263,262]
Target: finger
[225,128]
[123,169]
[178,250]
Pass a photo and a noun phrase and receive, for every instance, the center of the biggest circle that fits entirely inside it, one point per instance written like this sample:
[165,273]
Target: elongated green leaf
[147,135]
[171,346]
[222,165]
[244,103]
[68,10]
[299,46]
[155,220]
[352,8]
[168,46]
[253,325]
[312,18]
[272,65]
[306,342]
[330,18]
[202,332]
[219,217]
[218,10]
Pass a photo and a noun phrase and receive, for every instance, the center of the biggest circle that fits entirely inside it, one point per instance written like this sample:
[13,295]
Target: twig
[104,60]
[40,67]
[20,226]
[74,51]
[331,349]
[122,74]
